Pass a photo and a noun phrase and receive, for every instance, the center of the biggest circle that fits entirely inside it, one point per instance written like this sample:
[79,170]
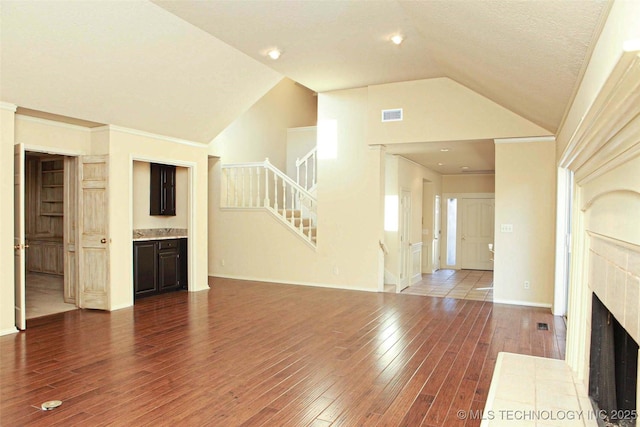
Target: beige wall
[124,147]
[261,131]
[141,186]
[300,141]
[254,245]
[7,296]
[622,26]
[441,110]
[468,183]
[525,197]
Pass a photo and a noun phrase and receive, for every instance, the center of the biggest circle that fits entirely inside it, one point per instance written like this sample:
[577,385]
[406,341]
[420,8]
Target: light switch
[506,228]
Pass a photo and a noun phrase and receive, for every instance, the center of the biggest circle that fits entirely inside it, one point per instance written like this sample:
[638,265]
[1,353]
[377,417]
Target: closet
[44,185]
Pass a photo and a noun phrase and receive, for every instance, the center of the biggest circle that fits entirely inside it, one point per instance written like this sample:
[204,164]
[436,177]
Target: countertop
[142,234]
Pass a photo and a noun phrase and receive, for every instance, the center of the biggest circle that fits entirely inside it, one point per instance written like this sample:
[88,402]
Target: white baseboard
[286,282]
[524,303]
[13,330]
[120,307]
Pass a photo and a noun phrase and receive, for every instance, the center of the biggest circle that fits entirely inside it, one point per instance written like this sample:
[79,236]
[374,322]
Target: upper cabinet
[163,190]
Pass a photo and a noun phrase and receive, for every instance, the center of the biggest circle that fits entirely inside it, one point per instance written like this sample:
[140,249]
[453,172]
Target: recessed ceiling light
[397,39]
[444,150]
[440,164]
[464,167]
[274,54]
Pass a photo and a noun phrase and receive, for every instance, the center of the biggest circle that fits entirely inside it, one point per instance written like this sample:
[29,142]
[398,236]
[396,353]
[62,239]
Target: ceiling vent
[394,115]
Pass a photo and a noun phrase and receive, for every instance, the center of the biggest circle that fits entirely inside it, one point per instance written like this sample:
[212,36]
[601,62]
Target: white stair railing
[260,185]
[306,169]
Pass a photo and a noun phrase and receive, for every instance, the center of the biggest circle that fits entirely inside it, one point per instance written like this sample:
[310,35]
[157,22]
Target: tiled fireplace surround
[614,276]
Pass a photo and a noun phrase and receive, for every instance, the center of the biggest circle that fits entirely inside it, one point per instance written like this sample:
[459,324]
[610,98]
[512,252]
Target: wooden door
[476,233]
[69,231]
[93,232]
[19,236]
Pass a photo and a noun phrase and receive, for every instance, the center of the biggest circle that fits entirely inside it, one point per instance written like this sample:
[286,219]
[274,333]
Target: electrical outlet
[527,285]
[335,270]
[222,262]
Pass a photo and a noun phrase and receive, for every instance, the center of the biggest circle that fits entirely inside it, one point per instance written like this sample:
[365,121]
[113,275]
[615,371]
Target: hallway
[460,284]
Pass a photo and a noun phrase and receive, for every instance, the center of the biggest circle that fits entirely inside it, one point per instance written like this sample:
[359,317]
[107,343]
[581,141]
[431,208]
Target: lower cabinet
[45,256]
[157,266]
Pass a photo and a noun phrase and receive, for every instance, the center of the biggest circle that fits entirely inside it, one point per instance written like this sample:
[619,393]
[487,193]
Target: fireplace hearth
[612,369]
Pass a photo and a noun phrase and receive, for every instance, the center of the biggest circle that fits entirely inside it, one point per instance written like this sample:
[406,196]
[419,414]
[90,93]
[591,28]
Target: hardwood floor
[247,353]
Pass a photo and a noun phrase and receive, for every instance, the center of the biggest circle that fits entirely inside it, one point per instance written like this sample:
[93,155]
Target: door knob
[103,240]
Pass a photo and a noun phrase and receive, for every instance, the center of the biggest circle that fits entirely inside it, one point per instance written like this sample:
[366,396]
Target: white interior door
[435,263]
[477,219]
[405,244]
[93,232]
[19,236]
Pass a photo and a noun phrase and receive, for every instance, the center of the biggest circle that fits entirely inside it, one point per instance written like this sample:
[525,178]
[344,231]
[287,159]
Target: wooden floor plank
[251,353]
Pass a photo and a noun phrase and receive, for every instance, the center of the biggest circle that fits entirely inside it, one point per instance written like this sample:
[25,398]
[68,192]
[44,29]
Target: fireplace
[612,368]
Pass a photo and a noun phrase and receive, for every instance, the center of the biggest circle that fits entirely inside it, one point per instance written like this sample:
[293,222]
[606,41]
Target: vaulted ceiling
[187,68]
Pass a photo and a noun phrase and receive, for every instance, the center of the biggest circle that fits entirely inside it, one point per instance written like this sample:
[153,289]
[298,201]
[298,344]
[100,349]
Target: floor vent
[543,326]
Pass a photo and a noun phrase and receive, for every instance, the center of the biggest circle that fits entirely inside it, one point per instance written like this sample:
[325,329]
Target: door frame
[192,200]
[404,280]
[33,148]
[443,216]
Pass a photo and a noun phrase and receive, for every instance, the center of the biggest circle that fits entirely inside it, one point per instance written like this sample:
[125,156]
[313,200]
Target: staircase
[260,185]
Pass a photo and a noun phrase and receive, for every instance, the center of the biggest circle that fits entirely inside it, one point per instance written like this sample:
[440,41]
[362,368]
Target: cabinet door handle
[103,240]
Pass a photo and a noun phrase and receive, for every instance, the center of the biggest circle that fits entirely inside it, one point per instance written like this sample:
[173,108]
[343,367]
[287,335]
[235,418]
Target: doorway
[405,244]
[476,233]
[49,212]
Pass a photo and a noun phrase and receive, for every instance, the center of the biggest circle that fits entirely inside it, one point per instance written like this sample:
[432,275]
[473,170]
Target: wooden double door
[85,235]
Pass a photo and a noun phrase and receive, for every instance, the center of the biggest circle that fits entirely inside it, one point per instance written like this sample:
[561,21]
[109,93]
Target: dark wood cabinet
[168,265]
[162,200]
[159,266]
[145,268]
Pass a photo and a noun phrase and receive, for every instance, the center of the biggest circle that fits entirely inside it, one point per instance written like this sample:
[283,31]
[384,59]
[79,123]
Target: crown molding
[8,106]
[52,123]
[150,135]
[525,140]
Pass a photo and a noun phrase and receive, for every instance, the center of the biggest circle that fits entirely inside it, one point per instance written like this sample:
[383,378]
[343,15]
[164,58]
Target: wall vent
[394,115]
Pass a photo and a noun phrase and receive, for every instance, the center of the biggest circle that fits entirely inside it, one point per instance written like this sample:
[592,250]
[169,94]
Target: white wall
[469,183]
[7,296]
[261,131]
[141,200]
[253,245]
[525,197]
[123,148]
[300,141]
[440,110]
